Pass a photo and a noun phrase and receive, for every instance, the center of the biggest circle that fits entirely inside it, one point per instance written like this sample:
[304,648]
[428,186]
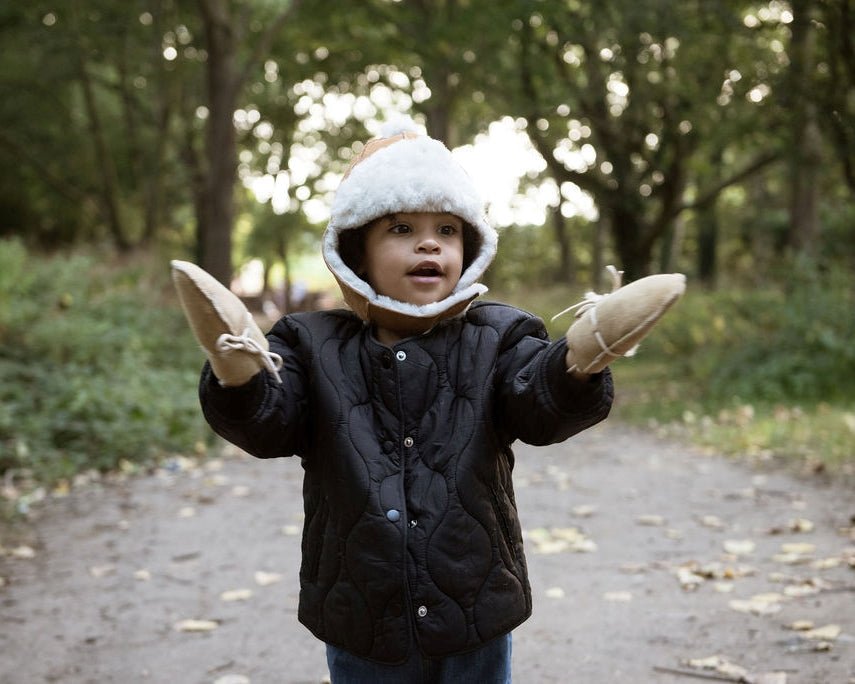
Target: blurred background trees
[707,136]
[713,137]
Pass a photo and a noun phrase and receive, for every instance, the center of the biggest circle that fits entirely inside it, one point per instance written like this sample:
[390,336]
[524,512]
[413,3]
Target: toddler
[403,411]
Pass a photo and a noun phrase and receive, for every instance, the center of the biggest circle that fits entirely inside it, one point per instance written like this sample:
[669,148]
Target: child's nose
[429,245]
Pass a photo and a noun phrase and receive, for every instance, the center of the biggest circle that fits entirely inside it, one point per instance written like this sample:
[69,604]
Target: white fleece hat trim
[410,175]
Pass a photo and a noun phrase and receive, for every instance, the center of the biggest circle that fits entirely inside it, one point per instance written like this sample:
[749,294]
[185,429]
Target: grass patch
[98,370]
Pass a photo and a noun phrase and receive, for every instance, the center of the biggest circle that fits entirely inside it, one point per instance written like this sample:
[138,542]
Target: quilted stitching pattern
[411,525]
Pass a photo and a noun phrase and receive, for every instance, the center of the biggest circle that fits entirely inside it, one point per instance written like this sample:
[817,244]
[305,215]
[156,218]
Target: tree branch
[263,44]
[62,186]
[710,194]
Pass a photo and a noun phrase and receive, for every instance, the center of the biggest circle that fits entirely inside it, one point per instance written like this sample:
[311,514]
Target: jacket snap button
[408,442]
[422,611]
[401,356]
[393,515]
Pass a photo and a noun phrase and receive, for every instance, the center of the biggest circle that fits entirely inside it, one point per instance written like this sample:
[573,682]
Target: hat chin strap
[405,318]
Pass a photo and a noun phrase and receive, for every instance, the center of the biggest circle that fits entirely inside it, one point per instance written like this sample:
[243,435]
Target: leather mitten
[609,326]
[236,347]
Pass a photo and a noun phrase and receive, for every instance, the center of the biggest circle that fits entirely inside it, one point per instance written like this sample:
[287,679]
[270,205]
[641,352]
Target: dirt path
[114,568]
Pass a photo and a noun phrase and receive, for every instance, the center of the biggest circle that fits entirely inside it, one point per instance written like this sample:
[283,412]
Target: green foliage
[94,370]
[763,371]
[789,343]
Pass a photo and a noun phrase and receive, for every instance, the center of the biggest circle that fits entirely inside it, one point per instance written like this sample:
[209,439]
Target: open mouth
[426,270]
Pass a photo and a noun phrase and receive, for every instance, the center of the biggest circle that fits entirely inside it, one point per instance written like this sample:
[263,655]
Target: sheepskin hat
[403,171]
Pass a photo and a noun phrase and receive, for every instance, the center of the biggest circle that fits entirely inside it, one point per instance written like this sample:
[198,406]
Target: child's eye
[400,229]
[447,230]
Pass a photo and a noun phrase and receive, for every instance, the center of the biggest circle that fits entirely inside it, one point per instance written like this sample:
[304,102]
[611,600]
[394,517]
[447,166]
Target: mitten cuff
[568,392]
[232,404]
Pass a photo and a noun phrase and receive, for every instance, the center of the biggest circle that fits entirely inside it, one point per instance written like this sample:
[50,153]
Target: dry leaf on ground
[826,633]
[232,679]
[195,625]
[560,540]
[264,579]
[236,595]
[739,547]
[760,604]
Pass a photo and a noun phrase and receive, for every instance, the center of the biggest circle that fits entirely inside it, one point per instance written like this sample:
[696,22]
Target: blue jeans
[490,664]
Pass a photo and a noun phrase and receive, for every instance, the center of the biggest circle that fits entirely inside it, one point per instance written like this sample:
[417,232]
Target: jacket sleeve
[538,401]
[264,418]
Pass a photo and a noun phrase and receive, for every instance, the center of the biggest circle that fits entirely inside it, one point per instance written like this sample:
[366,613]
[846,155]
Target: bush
[97,365]
[788,344]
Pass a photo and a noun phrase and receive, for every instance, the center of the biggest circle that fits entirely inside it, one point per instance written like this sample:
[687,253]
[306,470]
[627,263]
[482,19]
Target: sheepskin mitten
[235,345]
[612,325]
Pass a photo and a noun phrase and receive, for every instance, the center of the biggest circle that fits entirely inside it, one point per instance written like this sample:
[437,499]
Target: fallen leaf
[766,678]
[800,590]
[584,511]
[142,575]
[826,633]
[23,552]
[187,512]
[236,595]
[560,540]
[692,574]
[650,520]
[800,625]
[291,530]
[264,579]
[689,579]
[739,547]
[195,625]
[761,604]
[618,596]
[723,587]
[797,525]
[232,679]
[801,548]
[555,593]
[719,664]
[801,525]
[99,571]
[795,553]
[240,490]
[217,480]
[712,521]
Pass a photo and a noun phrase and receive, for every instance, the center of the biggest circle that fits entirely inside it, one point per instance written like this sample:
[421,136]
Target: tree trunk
[215,223]
[707,221]
[633,253]
[601,229]
[566,270]
[806,157]
[109,190]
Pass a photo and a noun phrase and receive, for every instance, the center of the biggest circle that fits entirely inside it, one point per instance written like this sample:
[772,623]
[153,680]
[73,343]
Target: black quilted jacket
[411,529]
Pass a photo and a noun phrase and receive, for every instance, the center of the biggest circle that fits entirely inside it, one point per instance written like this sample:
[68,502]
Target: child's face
[415,258]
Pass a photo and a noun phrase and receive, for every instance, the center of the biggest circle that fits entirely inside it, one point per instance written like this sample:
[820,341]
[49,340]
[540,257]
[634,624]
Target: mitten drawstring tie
[591,298]
[271,361]
[589,304]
